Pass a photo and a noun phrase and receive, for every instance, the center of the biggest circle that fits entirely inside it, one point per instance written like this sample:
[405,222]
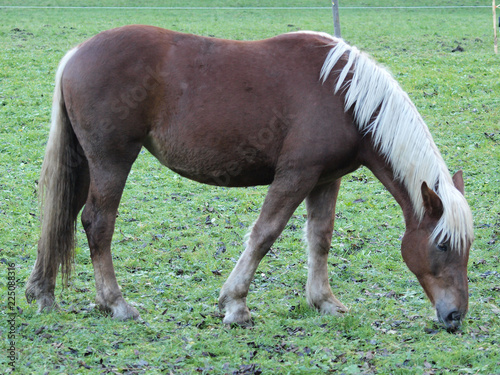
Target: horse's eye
[442,246]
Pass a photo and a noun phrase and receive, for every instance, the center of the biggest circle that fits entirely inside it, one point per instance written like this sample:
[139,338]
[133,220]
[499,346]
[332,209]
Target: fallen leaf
[209,354]
[142,363]
[495,309]
[484,329]
[83,364]
[431,331]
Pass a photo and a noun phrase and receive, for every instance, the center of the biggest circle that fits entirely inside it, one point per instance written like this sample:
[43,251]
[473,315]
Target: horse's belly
[230,166]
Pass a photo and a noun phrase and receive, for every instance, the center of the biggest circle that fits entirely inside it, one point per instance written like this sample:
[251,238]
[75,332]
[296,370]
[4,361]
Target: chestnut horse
[296,112]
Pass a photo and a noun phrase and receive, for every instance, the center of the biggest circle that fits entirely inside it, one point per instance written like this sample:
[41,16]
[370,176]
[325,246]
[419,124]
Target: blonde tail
[58,190]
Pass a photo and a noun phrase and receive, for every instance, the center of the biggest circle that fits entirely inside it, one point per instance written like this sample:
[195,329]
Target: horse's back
[216,111]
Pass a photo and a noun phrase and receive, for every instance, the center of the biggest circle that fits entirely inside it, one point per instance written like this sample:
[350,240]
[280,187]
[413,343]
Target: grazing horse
[296,112]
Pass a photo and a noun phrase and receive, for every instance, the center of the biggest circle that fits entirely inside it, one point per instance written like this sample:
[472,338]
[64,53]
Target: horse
[296,112]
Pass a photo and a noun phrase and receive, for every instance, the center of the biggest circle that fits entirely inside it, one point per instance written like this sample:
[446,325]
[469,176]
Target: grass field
[176,241]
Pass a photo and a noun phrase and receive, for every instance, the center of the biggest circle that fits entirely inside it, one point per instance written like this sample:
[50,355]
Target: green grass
[171,261]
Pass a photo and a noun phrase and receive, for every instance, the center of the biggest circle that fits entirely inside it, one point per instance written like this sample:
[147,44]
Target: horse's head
[440,265]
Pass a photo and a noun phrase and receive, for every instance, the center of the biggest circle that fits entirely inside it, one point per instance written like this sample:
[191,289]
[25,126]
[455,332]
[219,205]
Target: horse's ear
[432,203]
[458,181]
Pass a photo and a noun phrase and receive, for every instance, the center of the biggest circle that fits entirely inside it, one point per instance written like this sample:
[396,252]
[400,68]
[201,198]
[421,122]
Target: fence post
[336,18]
[495,39]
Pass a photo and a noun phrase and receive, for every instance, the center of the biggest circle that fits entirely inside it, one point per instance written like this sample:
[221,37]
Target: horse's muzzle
[451,318]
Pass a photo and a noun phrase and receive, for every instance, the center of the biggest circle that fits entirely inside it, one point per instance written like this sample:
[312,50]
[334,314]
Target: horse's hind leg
[42,281]
[320,205]
[283,197]
[108,178]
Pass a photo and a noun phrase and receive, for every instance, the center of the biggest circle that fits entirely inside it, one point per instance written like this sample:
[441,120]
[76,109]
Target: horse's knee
[262,238]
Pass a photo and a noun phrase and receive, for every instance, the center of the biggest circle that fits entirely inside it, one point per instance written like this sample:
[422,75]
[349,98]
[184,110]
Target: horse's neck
[374,161]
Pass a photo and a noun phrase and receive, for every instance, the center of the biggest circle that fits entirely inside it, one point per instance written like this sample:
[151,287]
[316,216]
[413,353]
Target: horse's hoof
[333,309]
[46,304]
[240,316]
[125,312]
[330,307]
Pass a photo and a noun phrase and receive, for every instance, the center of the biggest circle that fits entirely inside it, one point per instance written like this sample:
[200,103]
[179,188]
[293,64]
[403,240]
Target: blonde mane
[384,110]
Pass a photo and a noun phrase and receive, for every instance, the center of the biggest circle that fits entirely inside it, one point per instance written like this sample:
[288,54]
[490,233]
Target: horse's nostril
[454,319]
[454,316]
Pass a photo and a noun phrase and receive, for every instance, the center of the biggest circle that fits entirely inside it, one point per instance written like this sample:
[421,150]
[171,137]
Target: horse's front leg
[283,197]
[320,205]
